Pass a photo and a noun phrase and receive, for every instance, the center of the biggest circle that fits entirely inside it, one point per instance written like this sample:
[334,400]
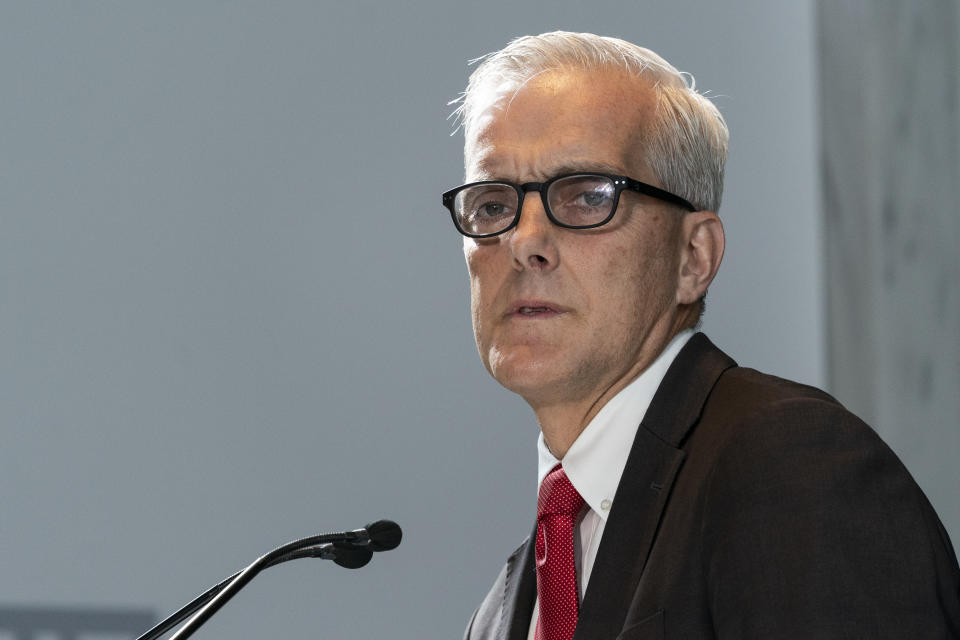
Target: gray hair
[686,146]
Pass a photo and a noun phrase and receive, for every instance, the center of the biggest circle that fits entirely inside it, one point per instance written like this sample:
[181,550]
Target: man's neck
[563,421]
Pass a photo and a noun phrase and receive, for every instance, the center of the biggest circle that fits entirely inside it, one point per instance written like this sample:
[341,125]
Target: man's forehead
[559,81]
[557,122]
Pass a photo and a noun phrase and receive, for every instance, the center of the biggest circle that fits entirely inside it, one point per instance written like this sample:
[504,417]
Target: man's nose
[533,240]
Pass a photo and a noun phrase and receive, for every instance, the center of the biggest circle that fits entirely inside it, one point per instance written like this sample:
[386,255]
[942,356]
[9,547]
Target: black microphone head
[384,535]
[351,557]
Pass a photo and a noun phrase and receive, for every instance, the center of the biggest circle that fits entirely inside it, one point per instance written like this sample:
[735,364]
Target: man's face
[561,315]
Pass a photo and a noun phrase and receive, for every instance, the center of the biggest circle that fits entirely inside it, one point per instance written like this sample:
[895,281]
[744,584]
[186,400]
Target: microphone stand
[351,549]
[173,620]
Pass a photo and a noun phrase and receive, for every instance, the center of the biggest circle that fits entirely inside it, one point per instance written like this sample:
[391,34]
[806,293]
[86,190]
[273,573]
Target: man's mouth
[534,309]
[531,311]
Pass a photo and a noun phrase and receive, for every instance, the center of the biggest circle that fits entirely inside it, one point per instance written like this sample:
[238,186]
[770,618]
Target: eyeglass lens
[575,201]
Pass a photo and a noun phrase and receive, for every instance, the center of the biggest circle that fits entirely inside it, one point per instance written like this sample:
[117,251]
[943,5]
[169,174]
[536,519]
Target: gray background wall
[890,78]
[233,312]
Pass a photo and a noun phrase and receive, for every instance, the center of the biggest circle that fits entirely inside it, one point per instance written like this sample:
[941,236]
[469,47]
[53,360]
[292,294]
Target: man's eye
[492,209]
[593,198]
[488,209]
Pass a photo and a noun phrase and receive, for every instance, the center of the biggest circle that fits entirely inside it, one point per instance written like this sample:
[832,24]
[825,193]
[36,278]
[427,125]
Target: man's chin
[528,375]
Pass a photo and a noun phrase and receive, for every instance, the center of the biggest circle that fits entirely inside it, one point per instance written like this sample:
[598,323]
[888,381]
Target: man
[680,495]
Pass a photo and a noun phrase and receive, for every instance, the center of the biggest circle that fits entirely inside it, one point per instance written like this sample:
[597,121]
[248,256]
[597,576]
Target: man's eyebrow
[491,171]
[485,173]
[595,167]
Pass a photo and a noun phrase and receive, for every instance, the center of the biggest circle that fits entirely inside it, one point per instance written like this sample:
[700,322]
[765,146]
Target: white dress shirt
[595,460]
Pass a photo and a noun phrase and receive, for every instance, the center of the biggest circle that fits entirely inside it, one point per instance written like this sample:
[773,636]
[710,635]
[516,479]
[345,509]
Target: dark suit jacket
[752,507]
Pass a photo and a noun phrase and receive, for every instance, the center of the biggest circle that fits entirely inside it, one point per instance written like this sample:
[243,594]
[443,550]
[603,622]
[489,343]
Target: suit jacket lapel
[652,466]
[520,592]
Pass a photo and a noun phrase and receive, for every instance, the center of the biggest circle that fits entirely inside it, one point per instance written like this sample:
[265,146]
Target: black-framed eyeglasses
[574,201]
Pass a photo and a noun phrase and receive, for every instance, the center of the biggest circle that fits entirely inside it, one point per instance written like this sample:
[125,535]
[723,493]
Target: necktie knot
[557,495]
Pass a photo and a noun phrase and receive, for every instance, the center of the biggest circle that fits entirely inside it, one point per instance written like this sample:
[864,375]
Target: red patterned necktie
[557,508]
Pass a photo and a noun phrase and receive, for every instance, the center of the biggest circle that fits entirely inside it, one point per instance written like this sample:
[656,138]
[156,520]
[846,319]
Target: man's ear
[701,250]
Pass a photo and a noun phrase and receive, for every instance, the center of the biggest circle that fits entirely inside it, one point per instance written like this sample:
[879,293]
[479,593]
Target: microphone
[343,554]
[382,535]
[349,549]
[347,557]
[354,548]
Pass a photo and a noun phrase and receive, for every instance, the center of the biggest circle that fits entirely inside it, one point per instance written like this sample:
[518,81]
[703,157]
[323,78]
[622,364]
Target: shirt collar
[596,459]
